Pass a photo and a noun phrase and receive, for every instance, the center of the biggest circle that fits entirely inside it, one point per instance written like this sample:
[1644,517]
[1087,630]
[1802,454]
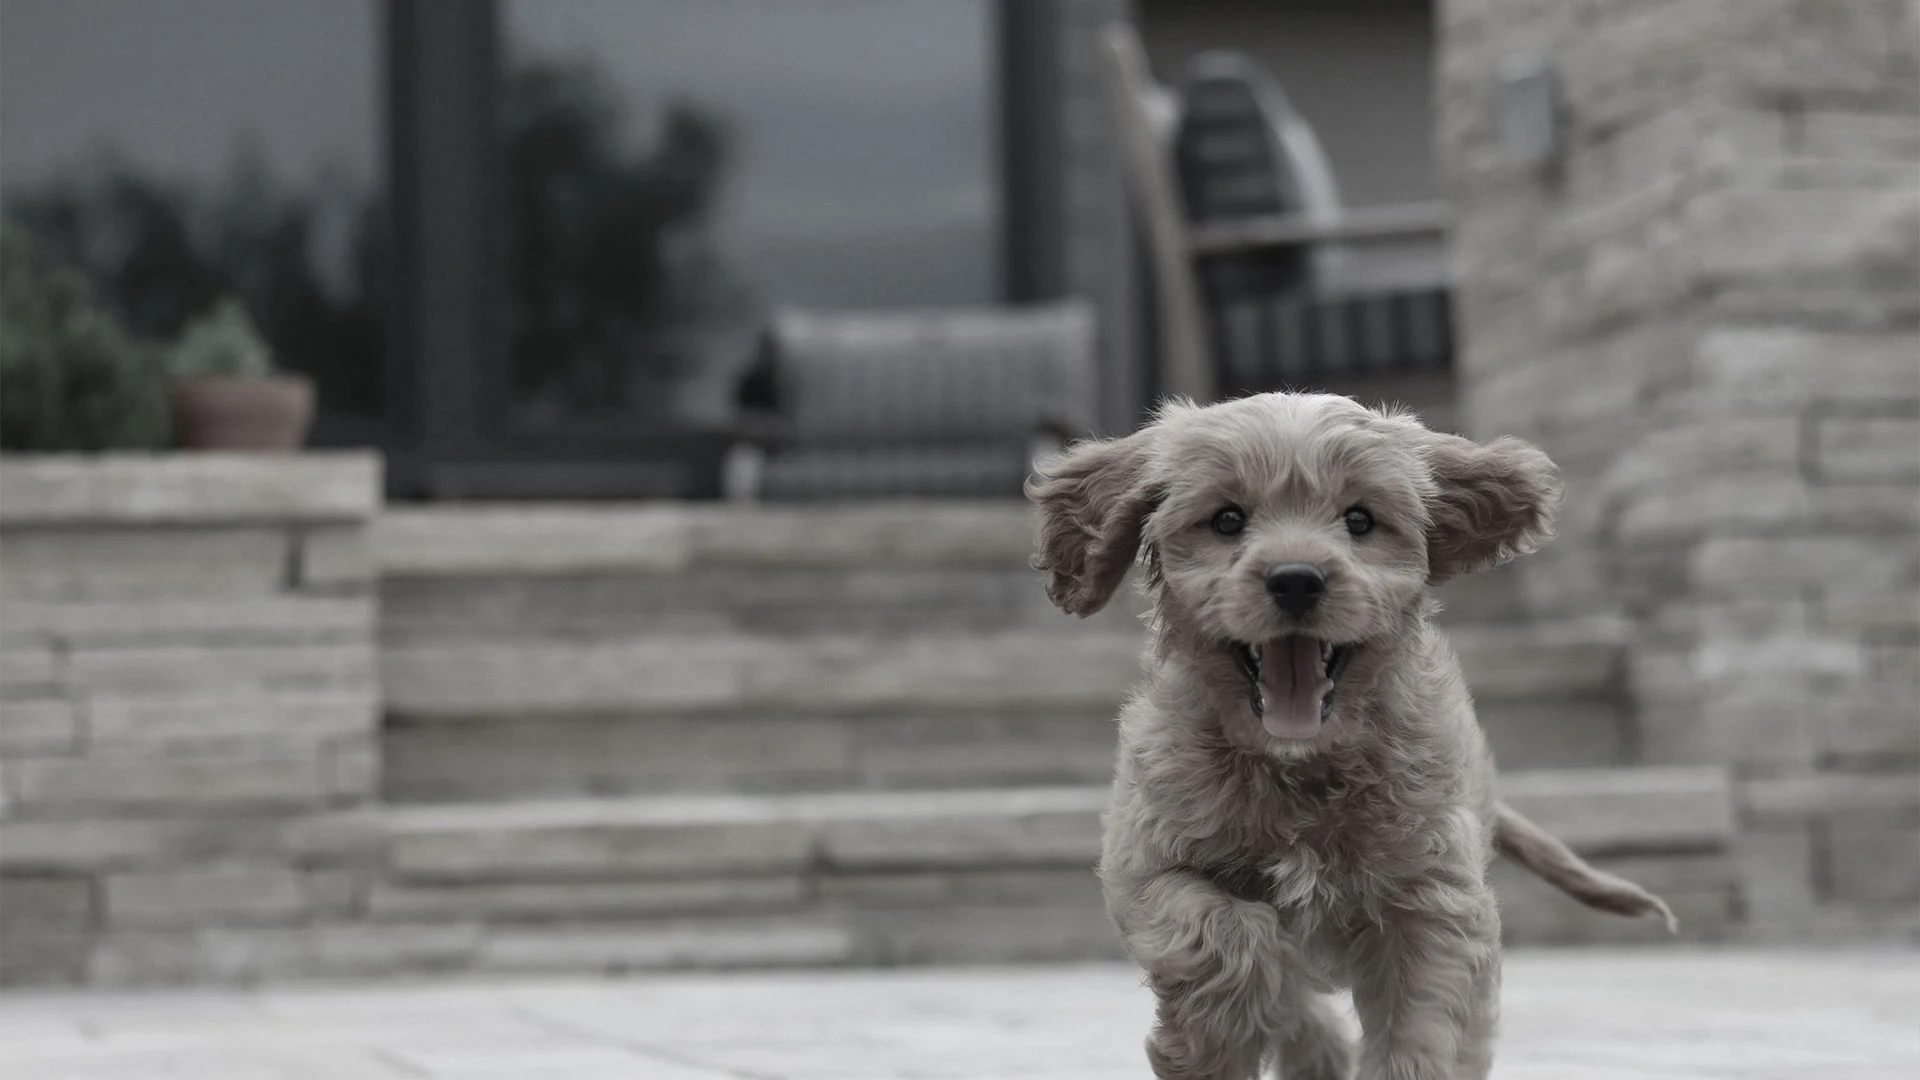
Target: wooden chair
[1192,325]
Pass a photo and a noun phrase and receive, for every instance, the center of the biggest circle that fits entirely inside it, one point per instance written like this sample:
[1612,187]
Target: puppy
[1303,801]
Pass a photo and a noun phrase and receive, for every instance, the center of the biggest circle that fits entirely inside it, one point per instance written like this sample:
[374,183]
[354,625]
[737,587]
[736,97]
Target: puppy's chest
[1302,846]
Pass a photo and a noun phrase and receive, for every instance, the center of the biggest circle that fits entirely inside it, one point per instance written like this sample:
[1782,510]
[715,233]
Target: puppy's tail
[1543,854]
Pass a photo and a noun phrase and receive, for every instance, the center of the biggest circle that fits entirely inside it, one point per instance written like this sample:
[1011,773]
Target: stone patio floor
[1585,1015]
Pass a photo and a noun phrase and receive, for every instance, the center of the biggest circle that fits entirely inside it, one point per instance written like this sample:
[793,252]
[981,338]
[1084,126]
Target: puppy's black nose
[1296,587]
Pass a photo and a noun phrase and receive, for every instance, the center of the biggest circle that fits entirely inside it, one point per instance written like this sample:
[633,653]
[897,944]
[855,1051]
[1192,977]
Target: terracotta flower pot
[223,413]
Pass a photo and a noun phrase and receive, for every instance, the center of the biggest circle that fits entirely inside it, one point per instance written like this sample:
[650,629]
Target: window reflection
[676,168]
[183,150]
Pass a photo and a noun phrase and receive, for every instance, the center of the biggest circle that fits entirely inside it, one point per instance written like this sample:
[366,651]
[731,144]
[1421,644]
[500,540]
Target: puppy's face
[1291,540]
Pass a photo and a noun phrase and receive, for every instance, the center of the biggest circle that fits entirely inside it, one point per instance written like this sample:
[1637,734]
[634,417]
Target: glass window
[187,149]
[675,168]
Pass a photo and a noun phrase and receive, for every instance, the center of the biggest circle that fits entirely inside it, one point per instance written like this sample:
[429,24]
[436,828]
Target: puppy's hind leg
[1315,1045]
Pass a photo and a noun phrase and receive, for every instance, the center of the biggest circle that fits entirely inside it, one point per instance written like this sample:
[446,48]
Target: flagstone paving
[1569,1015]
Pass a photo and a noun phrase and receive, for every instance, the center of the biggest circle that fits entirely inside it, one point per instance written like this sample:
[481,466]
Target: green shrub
[71,377]
[223,342]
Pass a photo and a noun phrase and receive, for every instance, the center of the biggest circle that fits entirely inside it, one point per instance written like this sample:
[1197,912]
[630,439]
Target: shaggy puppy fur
[1303,801]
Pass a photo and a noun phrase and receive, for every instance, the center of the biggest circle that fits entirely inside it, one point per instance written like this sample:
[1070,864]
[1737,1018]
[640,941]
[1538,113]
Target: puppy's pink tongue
[1293,682]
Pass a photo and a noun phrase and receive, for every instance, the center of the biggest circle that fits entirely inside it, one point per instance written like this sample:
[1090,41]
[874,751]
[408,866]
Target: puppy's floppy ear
[1093,500]
[1491,503]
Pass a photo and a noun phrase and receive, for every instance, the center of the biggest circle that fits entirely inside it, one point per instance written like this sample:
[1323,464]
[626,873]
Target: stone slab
[1049,746]
[1768,369]
[223,671]
[178,785]
[46,904]
[703,945]
[490,758]
[1551,734]
[530,540]
[235,954]
[336,558]
[691,836]
[93,843]
[188,488]
[467,847]
[991,933]
[895,890]
[143,562]
[760,600]
[1776,801]
[1626,809]
[33,728]
[760,673]
[32,671]
[129,724]
[559,539]
[194,896]
[233,620]
[993,837]
[1876,864]
[494,902]
[1572,660]
[1702,892]
[1867,448]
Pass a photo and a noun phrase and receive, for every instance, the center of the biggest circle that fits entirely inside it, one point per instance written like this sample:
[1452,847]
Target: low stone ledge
[1629,809]
[658,673]
[166,489]
[542,539]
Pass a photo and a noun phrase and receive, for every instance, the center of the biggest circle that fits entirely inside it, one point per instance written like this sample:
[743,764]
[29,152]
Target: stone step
[725,671]
[544,716]
[556,538]
[757,675]
[878,599]
[437,759]
[708,881]
[1632,810]
[738,835]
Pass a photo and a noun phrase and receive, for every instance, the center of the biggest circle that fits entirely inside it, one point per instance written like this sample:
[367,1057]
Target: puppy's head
[1290,541]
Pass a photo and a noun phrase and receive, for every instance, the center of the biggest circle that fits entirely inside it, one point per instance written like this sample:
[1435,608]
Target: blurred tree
[612,280]
[164,254]
[71,377]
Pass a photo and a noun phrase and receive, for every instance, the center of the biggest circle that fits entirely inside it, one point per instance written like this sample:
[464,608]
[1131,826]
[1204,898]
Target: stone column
[1097,228]
[1703,299]
[189,713]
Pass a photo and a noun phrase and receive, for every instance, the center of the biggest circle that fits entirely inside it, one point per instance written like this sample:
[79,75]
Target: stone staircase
[685,736]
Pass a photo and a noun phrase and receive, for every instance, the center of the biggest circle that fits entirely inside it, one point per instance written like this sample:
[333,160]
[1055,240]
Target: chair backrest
[1244,228]
[1241,152]
[923,379]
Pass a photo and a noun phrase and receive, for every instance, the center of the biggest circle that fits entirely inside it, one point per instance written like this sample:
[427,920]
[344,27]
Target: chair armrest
[1409,221]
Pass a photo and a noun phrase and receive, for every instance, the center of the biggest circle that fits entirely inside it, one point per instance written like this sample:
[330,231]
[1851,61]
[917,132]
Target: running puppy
[1303,800]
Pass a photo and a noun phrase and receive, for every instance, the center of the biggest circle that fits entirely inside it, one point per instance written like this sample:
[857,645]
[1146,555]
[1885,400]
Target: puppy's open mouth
[1291,680]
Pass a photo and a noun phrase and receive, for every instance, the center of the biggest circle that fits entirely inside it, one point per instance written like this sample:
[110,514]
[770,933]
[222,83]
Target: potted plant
[226,393]
[72,380]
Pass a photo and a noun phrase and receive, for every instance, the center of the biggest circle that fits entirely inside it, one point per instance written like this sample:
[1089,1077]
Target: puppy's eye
[1229,521]
[1359,522]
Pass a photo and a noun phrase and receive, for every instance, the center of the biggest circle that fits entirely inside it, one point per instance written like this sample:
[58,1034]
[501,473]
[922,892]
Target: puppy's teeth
[1326,650]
